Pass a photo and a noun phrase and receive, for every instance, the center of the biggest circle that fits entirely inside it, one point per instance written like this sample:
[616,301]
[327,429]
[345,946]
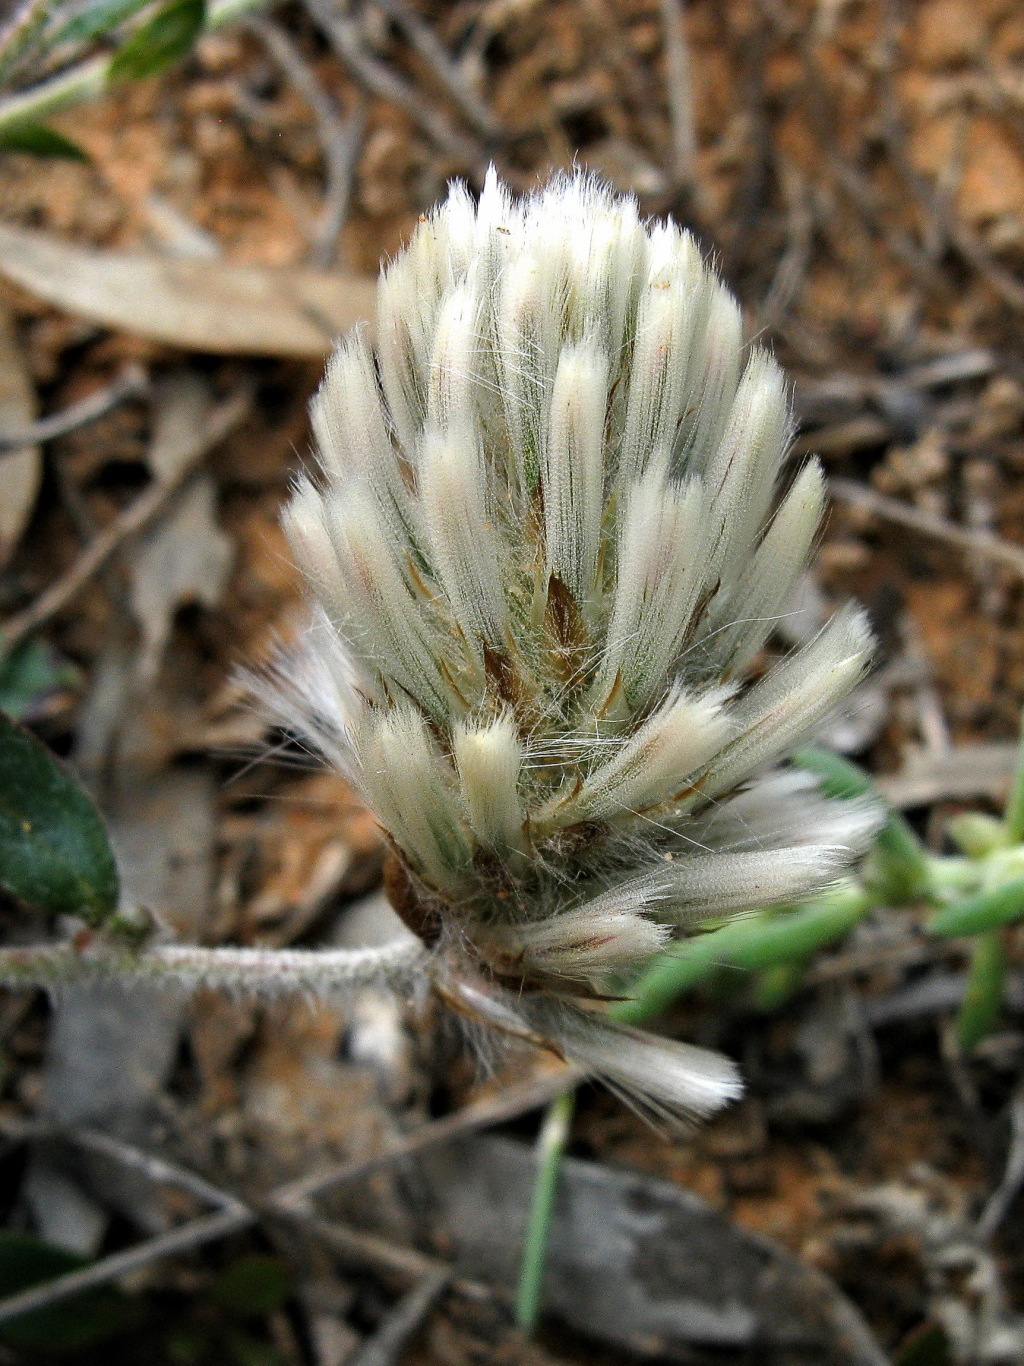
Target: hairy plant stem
[187,967]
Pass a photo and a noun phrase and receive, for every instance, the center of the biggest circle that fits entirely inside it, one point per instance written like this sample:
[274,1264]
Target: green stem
[551,1143]
[91,78]
[1015,806]
[986,986]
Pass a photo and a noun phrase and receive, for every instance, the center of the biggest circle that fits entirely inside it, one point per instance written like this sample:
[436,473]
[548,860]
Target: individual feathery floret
[549,534]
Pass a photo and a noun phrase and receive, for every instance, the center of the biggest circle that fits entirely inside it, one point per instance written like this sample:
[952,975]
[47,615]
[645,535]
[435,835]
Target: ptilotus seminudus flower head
[550,531]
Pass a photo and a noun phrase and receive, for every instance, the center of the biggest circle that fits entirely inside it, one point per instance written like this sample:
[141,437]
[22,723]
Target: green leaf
[162,40]
[54,850]
[978,834]
[40,140]
[899,870]
[756,943]
[32,674]
[76,1324]
[987,911]
[1014,814]
[986,986]
[98,18]
[253,1285]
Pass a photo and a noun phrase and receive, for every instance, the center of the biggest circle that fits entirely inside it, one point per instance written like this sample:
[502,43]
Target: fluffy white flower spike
[549,532]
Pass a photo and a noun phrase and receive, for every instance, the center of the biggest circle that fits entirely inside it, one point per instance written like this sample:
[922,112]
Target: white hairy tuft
[550,531]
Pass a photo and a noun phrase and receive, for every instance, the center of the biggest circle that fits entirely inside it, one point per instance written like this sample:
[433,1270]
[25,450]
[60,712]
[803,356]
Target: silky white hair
[549,530]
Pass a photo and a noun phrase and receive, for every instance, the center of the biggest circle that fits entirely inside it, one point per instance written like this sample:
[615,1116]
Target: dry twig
[680,93]
[133,383]
[288,1201]
[433,52]
[340,138]
[129,524]
[998,1205]
[343,35]
[384,1346]
[792,268]
[982,543]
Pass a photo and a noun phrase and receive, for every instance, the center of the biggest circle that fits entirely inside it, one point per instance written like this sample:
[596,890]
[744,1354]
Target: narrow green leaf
[978,834]
[98,18]
[899,870]
[756,943]
[551,1145]
[72,1326]
[987,911]
[986,985]
[162,40]
[54,850]
[1014,815]
[30,676]
[40,140]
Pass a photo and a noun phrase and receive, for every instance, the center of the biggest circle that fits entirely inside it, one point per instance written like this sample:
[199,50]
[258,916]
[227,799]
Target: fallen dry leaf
[20,471]
[185,557]
[216,306]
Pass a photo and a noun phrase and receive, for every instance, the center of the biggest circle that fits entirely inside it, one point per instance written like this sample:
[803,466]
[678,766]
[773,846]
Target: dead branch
[129,524]
[425,41]
[340,138]
[289,1201]
[680,93]
[980,542]
[377,79]
[133,383]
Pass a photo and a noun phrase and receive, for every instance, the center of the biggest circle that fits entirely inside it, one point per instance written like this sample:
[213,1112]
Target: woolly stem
[187,967]
[551,1143]
[91,78]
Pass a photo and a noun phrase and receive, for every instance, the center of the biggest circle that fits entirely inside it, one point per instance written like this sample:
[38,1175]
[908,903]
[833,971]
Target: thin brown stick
[153,1167]
[359,1251]
[998,1204]
[196,1233]
[129,524]
[133,383]
[980,542]
[384,1346]
[680,93]
[340,138]
[425,41]
[509,1105]
[943,222]
[286,1201]
[792,268]
[343,35]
